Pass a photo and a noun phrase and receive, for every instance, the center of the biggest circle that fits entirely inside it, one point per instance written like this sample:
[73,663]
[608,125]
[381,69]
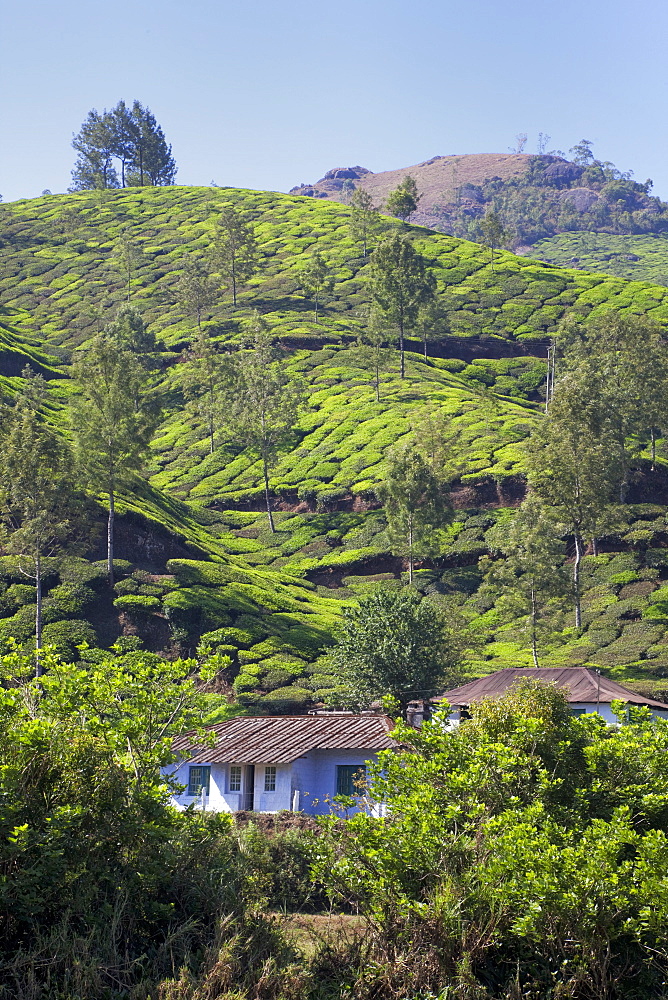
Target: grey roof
[581,684]
[281,739]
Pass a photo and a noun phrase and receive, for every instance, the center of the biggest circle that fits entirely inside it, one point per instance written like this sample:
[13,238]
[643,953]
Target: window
[198,779]
[579,711]
[348,778]
[270,778]
[235,778]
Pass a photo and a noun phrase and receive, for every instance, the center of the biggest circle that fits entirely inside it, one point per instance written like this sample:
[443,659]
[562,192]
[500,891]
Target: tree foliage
[400,284]
[315,280]
[130,135]
[263,402]
[235,253]
[112,422]
[204,377]
[364,218]
[40,504]
[530,573]
[523,854]
[397,644]
[416,505]
[403,201]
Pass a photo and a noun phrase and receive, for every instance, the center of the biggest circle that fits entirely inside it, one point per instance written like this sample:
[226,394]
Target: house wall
[220,799]
[313,777]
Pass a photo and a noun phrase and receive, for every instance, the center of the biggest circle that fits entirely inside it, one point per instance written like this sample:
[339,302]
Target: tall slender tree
[628,358]
[195,288]
[531,572]
[112,421]
[416,505]
[235,251]
[372,351]
[40,504]
[574,466]
[263,401]
[204,377]
[364,218]
[400,284]
[315,280]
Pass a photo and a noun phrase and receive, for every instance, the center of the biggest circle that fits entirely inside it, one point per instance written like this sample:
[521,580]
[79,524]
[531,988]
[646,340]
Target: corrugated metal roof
[581,684]
[281,739]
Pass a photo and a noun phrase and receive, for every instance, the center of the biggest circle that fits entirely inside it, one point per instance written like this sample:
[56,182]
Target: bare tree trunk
[653,432]
[410,552]
[576,580]
[534,649]
[266,494]
[401,347]
[38,614]
[110,536]
[377,383]
[425,348]
[234,281]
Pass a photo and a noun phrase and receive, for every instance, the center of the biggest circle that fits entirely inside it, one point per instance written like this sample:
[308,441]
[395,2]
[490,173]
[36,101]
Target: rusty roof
[581,684]
[280,739]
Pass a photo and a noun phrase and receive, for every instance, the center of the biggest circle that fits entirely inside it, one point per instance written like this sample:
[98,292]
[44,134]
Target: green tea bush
[70,599]
[20,593]
[65,636]
[137,603]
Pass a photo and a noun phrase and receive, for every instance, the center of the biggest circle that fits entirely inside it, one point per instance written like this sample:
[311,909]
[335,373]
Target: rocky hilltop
[584,214]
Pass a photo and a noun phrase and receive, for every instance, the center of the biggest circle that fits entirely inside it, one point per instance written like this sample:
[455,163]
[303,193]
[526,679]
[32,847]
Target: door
[249,788]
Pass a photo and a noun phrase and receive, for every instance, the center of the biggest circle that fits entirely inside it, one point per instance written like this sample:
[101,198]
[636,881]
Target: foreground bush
[524,856]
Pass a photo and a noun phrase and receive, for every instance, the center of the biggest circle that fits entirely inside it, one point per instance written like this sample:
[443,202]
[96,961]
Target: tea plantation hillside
[67,260]
[197,561]
[639,257]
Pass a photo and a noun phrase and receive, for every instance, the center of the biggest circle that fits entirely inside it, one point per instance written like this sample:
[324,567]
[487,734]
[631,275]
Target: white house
[586,690]
[271,763]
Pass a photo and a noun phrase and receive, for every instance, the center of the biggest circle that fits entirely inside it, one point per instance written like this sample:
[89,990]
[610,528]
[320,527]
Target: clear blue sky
[267,94]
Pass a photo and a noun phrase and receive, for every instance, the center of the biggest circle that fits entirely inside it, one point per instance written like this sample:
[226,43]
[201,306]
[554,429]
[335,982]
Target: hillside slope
[200,560]
[64,263]
[550,207]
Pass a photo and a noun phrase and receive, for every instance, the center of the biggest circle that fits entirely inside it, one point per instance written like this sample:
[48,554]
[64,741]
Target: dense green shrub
[66,636]
[137,603]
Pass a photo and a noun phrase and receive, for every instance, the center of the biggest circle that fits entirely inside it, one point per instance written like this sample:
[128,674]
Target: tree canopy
[129,137]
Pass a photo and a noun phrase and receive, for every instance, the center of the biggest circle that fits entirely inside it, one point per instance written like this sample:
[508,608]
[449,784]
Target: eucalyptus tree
[416,505]
[629,356]
[315,280]
[401,284]
[195,288]
[574,465]
[364,218]
[113,419]
[235,251]
[41,508]
[263,401]
[372,351]
[527,567]
[203,376]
